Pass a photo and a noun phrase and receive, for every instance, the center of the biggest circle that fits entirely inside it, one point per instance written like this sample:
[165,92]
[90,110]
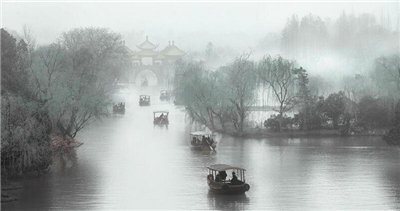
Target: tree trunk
[280,117]
[211,118]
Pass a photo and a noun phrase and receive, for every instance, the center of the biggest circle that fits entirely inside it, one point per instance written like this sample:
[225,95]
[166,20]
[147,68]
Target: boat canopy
[223,167]
[161,112]
[200,133]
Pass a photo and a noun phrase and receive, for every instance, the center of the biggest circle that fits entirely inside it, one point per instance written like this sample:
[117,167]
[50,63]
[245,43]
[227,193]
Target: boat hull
[203,147]
[230,189]
[227,188]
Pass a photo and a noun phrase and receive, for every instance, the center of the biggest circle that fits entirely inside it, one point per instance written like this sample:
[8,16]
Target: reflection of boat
[218,201]
[162,119]
[119,108]
[122,88]
[203,141]
[165,95]
[217,182]
[144,100]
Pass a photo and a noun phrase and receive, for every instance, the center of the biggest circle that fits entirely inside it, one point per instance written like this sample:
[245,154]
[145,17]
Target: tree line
[222,98]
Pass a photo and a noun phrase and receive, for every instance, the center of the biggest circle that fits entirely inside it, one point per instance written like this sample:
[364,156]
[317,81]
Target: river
[128,163]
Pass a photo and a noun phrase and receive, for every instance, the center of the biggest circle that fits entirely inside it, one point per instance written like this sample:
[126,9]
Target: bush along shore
[262,132]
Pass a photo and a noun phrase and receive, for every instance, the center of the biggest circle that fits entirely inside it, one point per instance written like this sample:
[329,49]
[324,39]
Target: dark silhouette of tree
[392,138]
[334,107]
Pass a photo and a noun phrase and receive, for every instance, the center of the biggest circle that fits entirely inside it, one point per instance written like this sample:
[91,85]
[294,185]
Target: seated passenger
[218,178]
[234,180]
[223,175]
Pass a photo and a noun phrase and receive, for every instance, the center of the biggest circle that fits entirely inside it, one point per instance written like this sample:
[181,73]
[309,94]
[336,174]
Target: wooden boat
[165,95]
[144,100]
[160,117]
[119,108]
[203,141]
[216,179]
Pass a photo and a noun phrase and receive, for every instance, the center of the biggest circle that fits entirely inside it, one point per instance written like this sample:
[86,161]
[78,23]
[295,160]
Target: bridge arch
[150,75]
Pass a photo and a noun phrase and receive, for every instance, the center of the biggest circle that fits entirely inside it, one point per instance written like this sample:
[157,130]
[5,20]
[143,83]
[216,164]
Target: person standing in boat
[204,141]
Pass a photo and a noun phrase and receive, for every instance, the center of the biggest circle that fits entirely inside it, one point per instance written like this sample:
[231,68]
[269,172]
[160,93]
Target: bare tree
[388,69]
[240,83]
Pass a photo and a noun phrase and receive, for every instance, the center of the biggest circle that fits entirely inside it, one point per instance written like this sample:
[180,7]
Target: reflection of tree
[227,202]
[393,176]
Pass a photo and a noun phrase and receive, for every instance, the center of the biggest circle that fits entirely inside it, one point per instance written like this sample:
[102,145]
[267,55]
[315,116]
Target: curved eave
[149,46]
[147,52]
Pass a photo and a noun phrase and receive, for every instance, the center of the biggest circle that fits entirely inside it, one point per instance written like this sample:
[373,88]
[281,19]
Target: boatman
[234,180]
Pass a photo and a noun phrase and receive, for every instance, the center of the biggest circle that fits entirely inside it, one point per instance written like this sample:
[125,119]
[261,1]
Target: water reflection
[127,162]
[227,202]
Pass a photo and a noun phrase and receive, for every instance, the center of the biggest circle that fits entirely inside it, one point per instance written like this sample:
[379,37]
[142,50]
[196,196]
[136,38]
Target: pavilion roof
[147,52]
[172,50]
[146,45]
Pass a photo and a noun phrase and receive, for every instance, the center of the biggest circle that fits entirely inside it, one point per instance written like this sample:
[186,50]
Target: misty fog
[232,28]
[142,105]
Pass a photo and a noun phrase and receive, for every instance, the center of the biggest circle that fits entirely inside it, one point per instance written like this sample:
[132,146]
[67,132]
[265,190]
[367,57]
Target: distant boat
[217,181]
[119,108]
[144,100]
[203,141]
[145,83]
[162,119]
[165,95]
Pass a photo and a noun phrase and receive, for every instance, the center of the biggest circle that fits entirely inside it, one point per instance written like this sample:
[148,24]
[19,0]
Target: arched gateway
[147,60]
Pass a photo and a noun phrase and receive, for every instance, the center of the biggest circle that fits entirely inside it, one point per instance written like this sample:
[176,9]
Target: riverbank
[264,133]
[6,186]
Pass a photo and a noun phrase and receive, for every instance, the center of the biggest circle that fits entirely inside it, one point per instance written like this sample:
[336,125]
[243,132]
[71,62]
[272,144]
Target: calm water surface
[128,163]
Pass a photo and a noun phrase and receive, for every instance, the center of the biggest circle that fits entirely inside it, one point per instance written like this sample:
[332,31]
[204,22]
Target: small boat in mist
[145,83]
[160,117]
[203,141]
[165,95]
[144,100]
[119,108]
[218,182]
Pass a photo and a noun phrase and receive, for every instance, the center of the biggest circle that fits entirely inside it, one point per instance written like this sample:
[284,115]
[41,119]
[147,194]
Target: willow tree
[387,73]
[75,77]
[279,75]
[239,82]
[190,86]
[96,59]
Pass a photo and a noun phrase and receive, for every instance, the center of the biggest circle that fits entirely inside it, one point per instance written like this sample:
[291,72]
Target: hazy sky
[167,21]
